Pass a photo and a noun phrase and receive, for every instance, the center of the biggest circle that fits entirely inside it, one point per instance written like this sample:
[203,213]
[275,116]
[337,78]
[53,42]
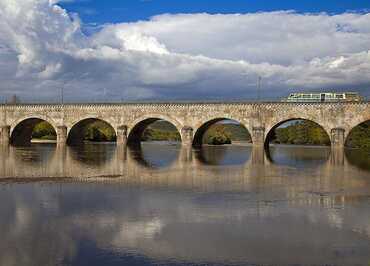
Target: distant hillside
[226,134]
[161,131]
[301,133]
[237,132]
[162,125]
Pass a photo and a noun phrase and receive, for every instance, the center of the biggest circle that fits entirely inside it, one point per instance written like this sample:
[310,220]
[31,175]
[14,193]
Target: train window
[323,97]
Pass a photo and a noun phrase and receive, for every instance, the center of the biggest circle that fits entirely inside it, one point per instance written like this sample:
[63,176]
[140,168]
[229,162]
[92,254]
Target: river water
[99,204]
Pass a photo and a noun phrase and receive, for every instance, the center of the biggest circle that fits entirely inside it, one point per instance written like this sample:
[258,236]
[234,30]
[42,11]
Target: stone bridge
[191,119]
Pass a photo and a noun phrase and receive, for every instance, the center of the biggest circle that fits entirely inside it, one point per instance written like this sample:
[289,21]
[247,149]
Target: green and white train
[324,97]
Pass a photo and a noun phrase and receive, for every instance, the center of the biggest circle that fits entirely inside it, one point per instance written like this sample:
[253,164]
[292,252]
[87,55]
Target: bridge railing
[178,102]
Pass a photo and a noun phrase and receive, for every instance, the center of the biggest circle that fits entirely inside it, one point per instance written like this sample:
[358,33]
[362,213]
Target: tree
[302,132]
[43,130]
[217,135]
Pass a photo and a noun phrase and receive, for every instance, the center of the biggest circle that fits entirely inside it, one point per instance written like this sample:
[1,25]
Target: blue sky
[113,11]
[190,50]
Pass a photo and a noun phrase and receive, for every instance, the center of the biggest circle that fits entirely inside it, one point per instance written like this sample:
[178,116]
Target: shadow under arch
[135,136]
[298,150]
[21,134]
[101,131]
[202,130]
[357,145]
[359,135]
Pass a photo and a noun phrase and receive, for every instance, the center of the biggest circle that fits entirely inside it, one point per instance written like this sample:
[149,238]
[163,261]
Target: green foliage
[44,130]
[360,137]
[302,133]
[219,139]
[217,135]
[162,125]
[99,131]
[160,135]
[161,131]
[220,133]
[96,131]
[237,132]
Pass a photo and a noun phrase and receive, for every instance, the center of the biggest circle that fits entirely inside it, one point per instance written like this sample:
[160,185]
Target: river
[99,204]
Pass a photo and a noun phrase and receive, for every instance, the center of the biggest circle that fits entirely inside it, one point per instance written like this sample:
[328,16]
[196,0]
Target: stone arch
[269,131]
[157,116]
[38,116]
[139,125]
[73,122]
[21,129]
[203,127]
[75,133]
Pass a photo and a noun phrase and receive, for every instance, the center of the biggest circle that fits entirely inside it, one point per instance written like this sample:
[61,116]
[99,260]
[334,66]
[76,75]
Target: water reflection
[156,154]
[298,156]
[224,155]
[39,154]
[93,154]
[359,158]
[167,205]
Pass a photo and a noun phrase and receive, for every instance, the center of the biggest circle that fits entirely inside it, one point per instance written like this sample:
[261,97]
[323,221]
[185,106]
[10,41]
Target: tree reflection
[359,158]
[224,155]
[298,156]
[155,155]
[93,154]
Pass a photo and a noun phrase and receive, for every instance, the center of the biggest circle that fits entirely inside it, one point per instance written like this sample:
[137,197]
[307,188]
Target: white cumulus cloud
[179,56]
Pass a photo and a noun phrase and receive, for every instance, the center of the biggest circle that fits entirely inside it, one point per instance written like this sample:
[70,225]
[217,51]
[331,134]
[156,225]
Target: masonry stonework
[337,119]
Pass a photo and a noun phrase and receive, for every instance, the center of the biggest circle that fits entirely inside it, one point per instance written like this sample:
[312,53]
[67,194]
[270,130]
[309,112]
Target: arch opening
[298,132]
[221,131]
[154,130]
[297,142]
[33,130]
[91,130]
[359,137]
[358,145]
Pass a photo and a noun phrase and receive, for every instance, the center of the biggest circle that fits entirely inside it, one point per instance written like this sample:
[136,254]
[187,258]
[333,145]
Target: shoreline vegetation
[300,132]
[359,138]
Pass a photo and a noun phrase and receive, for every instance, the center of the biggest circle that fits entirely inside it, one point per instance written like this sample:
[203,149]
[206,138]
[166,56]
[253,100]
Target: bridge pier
[337,138]
[258,136]
[258,155]
[187,135]
[5,135]
[337,156]
[61,135]
[122,136]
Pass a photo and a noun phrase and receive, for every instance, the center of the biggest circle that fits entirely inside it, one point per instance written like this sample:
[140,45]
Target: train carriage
[324,97]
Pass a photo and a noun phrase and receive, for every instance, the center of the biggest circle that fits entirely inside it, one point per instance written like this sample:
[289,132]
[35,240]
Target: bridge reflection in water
[170,204]
[171,162]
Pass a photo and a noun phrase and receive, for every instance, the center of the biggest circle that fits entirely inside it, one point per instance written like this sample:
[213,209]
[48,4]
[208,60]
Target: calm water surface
[99,204]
